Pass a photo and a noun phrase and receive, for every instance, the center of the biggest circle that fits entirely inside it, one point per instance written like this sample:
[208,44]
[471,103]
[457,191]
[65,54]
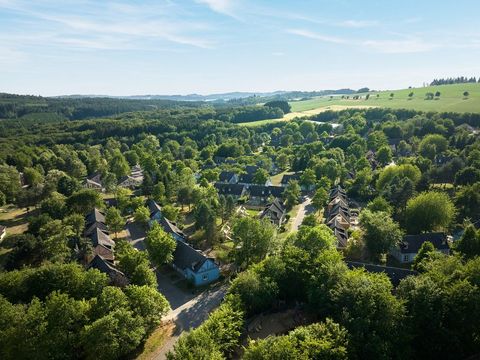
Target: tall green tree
[160,245]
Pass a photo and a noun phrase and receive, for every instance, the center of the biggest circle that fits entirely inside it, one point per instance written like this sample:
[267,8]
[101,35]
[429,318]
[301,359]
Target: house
[3,232]
[260,194]
[406,251]
[342,237]
[194,265]
[102,244]
[286,178]
[234,190]
[395,274]
[275,212]
[168,226]
[338,200]
[337,191]
[102,264]
[228,177]
[246,179]
[191,263]
[94,182]
[251,169]
[130,182]
[95,216]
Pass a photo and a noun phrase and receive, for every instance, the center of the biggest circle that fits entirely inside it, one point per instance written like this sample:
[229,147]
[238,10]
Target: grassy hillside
[450,100]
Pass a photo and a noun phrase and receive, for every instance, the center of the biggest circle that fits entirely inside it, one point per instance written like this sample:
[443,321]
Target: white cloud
[413,45]
[312,35]
[358,23]
[226,7]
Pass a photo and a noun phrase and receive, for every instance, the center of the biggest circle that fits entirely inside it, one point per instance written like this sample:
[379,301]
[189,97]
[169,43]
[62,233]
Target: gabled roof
[337,191]
[274,210]
[186,256]
[105,266]
[230,189]
[287,177]
[265,191]
[412,243]
[225,176]
[170,227]
[251,169]
[339,209]
[341,236]
[153,207]
[94,216]
[94,226]
[2,229]
[98,237]
[246,178]
[395,274]
[335,223]
[339,200]
[95,177]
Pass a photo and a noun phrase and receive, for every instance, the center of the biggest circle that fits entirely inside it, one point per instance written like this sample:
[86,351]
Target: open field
[451,99]
[298,114]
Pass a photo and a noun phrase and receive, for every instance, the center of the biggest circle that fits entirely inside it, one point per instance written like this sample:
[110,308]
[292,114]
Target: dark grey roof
[337,191]
[287,177]
[94,226]
[225,176]
[153,207]
[395,274]
[230,189]
[95,216]
[186,256]
[275,210]
[265,191]
[2,229]
[251,169]
[98,237]
[103,265]
[246,178]
[412,243]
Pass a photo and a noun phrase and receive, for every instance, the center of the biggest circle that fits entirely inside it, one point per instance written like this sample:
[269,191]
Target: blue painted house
[191,263]
[194,265]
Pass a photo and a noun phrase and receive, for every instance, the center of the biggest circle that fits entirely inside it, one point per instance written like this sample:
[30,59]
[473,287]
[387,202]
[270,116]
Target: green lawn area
[451,99]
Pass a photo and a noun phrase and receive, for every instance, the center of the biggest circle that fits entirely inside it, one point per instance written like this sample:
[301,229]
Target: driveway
[190,314]
[304,209]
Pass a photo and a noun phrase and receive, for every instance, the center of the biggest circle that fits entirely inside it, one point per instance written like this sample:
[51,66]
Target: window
[205,277]
[405,258]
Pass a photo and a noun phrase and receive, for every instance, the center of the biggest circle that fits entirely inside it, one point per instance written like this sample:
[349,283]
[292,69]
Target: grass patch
[15,219]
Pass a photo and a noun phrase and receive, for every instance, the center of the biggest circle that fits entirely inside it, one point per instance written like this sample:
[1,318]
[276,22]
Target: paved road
[190,315]
[304,209]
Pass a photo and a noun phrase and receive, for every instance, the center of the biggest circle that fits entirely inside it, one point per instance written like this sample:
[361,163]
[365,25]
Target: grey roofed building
[236,190]
[186,256]
[413,243]
[275,212]
[251,169]
[167,225]
[98,237]
[338,191]
[286,178]
[3,231]
[94,216]
[228,177]
[395,274]
[406,251]
[266,191]
[105,266]
[94,226]
[246,179]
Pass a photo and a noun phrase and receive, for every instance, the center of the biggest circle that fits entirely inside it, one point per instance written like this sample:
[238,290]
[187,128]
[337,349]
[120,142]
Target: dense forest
[397,173]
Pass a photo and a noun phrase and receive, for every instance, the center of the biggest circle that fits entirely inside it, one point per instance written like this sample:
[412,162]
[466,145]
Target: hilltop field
[451,99]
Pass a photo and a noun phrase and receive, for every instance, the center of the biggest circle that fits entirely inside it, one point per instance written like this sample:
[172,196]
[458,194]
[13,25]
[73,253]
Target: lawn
[15,219]
[451,99]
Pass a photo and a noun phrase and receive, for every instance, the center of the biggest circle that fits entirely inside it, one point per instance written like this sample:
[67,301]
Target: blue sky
[51,47]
